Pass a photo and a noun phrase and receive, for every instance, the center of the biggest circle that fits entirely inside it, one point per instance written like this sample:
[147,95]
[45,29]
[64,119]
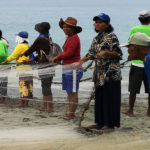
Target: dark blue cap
[23,34]
[103,17]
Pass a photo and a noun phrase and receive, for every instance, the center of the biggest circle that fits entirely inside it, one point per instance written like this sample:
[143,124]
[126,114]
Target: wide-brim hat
[42,27]
[72,22]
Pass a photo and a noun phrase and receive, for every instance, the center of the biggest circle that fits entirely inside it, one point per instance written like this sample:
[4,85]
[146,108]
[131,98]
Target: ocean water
[18,15]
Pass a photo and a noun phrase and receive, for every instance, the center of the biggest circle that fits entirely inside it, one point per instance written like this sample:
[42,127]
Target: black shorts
[46,82]
[136,76]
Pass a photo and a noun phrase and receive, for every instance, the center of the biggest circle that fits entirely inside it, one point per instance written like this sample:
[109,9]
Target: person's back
[142,28]
[3,51]
[3,48]
[20,48]
[144,18]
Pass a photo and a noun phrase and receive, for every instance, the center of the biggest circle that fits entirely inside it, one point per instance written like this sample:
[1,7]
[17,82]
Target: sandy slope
[27,129]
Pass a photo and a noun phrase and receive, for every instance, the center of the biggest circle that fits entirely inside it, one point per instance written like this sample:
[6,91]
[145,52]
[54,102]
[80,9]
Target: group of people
[105,51]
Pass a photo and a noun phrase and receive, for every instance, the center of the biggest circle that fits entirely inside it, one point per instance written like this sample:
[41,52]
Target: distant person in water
[3,56]
[25,82]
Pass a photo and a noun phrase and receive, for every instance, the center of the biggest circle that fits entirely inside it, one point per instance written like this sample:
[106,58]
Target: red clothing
[71,50]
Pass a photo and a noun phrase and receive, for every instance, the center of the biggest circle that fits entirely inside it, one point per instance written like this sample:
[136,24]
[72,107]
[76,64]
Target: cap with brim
[144,13]
[72,22]
[23,34]
[138,38]
[104,17]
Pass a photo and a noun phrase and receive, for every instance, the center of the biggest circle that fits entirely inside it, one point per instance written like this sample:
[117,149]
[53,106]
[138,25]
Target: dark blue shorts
[71,79]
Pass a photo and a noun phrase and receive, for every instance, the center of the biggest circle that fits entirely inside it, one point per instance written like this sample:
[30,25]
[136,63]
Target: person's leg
[29,85]
[145,80]
[3,89]
[73,103]
[148,110]
[47,94]
[47,104]
[21,90]
[43,106]
[50,103]
[21,104]
[71,85]
[2,101]
[132,98]
[135,81]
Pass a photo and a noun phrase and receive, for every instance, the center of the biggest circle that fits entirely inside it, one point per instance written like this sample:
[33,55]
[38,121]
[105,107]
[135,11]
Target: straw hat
[72,22]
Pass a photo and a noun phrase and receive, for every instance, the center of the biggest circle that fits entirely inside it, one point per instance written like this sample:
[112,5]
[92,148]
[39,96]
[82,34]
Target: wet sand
[29,129]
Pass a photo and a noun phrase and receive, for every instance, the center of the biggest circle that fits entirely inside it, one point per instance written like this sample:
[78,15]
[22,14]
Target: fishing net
[23,81]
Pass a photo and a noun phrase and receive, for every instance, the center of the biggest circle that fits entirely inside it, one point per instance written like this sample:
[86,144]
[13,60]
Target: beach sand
[29,129]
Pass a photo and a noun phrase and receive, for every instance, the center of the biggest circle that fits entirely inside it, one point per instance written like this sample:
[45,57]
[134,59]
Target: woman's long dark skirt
[107,104]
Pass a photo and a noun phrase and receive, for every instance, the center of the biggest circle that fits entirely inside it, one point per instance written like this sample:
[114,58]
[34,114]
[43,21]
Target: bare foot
[68,117]
[19,105]
[26,105]
[106,129]
[50,110]
[2,101]
[129,113]
[148,113]
[95,126]
[43,109]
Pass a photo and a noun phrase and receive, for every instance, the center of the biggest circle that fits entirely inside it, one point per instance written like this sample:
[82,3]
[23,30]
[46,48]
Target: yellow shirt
[20,48]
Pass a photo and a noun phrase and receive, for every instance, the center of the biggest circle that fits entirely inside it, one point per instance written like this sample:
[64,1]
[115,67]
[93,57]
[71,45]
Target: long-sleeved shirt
[20,48]
[71,50]
[38,45]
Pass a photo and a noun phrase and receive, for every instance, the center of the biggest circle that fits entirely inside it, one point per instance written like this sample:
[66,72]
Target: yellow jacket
[20,48]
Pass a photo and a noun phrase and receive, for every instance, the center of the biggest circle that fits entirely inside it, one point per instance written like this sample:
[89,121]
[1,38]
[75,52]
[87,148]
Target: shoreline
[27,128]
